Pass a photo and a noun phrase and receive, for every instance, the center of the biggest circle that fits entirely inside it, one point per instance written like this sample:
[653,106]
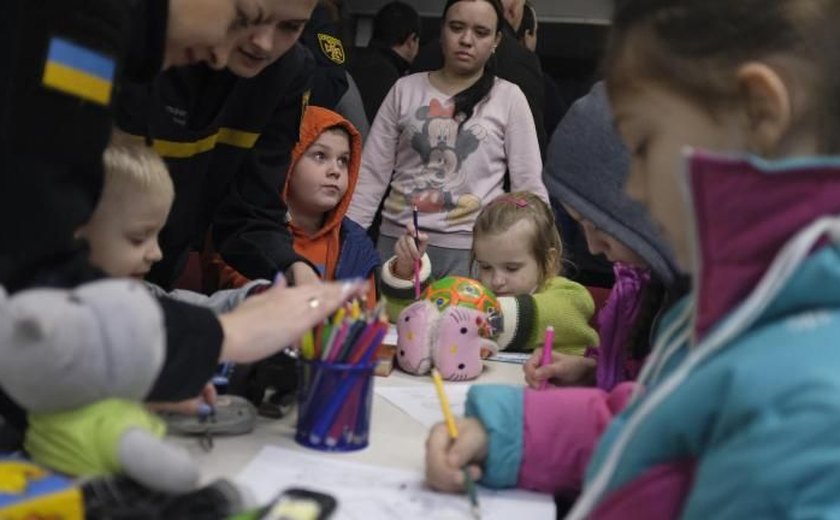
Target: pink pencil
[416,262]
[546,353]
[359,348]
[335,349]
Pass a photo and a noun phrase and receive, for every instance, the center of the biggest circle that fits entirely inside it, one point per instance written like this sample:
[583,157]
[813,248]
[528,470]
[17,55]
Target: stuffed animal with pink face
[460,343]
[455,340]
[416,325]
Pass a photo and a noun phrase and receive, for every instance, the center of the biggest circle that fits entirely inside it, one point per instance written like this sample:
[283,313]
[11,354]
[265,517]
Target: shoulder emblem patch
[332,48]
[78,71]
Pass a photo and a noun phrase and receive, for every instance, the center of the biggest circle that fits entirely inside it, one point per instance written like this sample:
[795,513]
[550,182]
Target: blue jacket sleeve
[501,409]
[783,449]
[358,257]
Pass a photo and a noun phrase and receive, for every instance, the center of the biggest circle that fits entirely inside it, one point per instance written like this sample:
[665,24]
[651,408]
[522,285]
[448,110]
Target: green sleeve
[568,307]
[562,303]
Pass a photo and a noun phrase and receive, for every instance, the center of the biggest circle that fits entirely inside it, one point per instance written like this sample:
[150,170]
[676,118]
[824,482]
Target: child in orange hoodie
[318,188]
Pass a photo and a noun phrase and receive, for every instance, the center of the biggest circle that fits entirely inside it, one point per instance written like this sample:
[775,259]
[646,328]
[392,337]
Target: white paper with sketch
[374,492]
[421,403]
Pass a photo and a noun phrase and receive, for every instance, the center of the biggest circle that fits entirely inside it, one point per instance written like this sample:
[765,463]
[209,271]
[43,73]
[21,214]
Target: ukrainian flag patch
[79,71]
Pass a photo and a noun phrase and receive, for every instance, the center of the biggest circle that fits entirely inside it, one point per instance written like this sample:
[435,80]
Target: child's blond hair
[506,210]
[132,165]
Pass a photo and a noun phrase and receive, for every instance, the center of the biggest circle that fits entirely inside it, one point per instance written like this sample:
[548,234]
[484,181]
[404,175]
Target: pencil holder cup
[334,403]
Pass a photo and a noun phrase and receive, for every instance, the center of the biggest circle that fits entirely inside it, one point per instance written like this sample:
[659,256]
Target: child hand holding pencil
[409,250]
[455,450]
[560,369]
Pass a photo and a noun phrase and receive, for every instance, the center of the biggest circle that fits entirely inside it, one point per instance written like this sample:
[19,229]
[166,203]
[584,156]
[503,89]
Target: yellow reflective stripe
[77,83]
[176,150]
[238,138]
[184,150]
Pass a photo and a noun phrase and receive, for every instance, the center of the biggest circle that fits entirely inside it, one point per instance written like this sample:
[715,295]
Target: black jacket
[514,63]
[329,79]
[227,142]
[51,144]
[375,69]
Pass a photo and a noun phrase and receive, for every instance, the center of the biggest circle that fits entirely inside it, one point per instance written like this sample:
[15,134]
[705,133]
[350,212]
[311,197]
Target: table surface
[396,439]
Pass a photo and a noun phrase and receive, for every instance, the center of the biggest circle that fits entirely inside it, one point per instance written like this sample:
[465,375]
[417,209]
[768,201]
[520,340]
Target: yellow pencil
[339,316]
[307,345]
[444,404]
[453,432]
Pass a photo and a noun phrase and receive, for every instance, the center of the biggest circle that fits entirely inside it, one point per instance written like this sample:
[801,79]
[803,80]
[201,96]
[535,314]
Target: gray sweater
[219,302]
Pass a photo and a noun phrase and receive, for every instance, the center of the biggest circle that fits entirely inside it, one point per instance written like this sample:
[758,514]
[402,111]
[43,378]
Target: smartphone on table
[300,504]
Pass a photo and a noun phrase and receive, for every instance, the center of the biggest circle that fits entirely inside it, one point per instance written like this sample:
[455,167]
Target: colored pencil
[417,261]
[469,485]
[330,412]
[546,353]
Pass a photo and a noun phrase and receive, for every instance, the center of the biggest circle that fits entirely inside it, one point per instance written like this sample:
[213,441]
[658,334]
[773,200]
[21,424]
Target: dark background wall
[572,34]
[587,11]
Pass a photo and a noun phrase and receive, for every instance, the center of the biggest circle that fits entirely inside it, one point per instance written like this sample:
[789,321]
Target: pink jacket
[555,457]
[550,453]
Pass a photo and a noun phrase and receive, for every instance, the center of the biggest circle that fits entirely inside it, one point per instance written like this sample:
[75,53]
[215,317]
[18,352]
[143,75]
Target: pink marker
[546,353]
[416,262]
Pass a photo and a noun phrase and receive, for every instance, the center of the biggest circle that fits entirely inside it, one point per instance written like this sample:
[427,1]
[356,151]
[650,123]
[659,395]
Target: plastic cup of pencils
[334,404]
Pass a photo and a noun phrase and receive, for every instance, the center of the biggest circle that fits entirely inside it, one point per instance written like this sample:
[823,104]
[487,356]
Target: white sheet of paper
[421,403]
[391,336]
[518,358]
[374,492]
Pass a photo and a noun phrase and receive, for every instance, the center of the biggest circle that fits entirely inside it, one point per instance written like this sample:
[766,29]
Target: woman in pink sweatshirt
[443,142]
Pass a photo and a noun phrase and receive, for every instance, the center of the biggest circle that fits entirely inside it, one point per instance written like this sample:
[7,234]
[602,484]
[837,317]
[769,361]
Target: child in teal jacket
[735,412]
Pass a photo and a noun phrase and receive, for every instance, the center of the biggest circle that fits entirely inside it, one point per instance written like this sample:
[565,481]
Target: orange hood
[322,248]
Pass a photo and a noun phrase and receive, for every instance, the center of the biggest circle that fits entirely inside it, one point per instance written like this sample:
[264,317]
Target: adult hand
[267,322]
[409,249]
[302,274]
[564,370]
[445,458]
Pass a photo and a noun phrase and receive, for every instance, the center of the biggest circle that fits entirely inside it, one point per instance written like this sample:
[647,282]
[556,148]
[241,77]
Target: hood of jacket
[587,167]
[761,256]
[314,122]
